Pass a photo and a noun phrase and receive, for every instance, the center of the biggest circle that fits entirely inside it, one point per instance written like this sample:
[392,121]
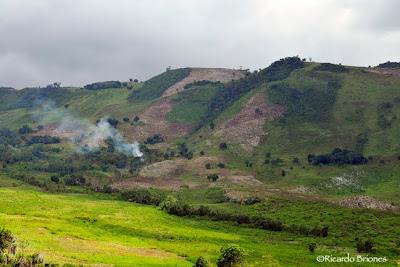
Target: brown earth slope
[200,74]
[246,127]
[156,123]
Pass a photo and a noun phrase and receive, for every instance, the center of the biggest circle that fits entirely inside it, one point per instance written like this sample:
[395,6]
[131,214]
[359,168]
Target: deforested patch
[246,127]
[350,180]
[365,202]
[156,123]
[200,74]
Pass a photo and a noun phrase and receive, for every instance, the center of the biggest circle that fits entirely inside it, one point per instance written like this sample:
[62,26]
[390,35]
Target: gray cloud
[81,41]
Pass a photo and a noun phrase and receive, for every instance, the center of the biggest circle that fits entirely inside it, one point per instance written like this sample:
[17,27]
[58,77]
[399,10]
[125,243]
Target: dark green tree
[231,256]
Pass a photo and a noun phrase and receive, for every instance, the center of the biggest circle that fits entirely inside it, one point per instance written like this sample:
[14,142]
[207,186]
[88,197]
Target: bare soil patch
[200,74]
[156,123]
[61,129]
[246,127]
[365,202]
[395,72]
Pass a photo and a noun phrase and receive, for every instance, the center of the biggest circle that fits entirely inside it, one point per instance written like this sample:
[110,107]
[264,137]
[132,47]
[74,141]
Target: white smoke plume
[97,134]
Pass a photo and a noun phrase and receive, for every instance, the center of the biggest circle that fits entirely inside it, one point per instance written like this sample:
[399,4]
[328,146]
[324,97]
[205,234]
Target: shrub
[231,256]
[223,146]
[213,177]
[201,262]
[25,129]
[221,165]
[208,166]
[136,119]
[125,119]
[312,247]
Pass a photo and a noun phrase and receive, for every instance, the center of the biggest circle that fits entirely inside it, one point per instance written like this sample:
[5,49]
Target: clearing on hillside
[156,123]
[246,127]
[200,74]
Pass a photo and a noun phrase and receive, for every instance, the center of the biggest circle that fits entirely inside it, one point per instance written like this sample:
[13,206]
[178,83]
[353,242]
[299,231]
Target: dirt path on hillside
[246,127]
[198,74]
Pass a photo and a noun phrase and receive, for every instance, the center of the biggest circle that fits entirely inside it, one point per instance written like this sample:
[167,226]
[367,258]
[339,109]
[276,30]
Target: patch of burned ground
[393,72]
[365,202]
[156,123]
[173,174]
[246,127]
[61,129]
[204,74]
[164,175]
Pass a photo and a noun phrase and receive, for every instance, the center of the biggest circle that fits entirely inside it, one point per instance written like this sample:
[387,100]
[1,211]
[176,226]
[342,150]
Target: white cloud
[82,41]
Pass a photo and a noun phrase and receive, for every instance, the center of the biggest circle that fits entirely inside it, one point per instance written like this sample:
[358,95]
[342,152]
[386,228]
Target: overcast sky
[76,42]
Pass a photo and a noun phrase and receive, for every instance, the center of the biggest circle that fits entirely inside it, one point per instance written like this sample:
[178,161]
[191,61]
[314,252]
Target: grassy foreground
[94,229]
[85,229]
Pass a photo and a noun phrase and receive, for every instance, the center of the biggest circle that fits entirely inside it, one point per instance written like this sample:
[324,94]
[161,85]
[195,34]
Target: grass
[92,229]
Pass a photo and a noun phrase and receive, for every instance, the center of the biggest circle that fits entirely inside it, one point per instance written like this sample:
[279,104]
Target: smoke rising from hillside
[95,135]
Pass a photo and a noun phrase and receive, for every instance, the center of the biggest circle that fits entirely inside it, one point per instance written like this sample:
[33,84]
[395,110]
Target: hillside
[229,157]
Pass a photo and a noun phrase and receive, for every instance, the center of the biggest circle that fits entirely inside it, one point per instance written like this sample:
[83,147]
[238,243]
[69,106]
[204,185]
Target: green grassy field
[95,229]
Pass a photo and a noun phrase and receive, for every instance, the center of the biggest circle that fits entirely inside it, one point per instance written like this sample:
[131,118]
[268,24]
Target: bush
[223,146]
[25,130]
[213,177]
[125,119]
[208,166]
[312,247]
[136,119]
[201,262]
[231,256]
[221,165]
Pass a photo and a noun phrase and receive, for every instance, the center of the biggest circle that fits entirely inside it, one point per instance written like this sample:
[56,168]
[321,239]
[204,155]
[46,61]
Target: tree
[66,106]
[212,125]
[221,165]
[130,79]
[6,239]
[208,166]
[312,247]
[223,146]
[283,173]
[231,256]
[136,119]
[55,179]
[202,153]
[25,129]
[213,177]
[125,119]
[201,262]
[135,81]
[40,127]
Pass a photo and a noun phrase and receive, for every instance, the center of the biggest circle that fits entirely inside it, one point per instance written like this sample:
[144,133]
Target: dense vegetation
[308,102]
[200,83]
[234,90]
[389,65]
[331,67]
[103,85]
[156,86]
[34,97]
[338,157]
